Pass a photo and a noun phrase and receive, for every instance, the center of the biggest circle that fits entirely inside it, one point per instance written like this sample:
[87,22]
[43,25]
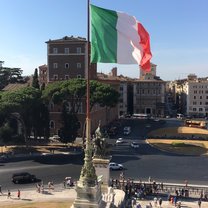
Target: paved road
[142,163]
[161,166]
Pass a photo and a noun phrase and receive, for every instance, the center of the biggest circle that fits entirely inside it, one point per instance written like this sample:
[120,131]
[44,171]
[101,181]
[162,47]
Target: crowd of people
[138,190]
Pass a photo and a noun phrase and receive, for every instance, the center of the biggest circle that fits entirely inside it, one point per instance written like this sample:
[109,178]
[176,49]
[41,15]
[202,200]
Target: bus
[140,116]
[196,123]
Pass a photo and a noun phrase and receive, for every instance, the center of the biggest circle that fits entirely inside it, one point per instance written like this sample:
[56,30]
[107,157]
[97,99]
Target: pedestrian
[1,190]
[199,203]
[49,186]
[9,195]
[18,194]
[138,206]
[175,199]
[38,187]
[64,183]
[155,201]
[161,186]
[160,202]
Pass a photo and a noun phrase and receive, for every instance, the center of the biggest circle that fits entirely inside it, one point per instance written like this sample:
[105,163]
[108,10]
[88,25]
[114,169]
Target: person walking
[1,190]
[199,203]
[9,195]
[160,202]
[18,194]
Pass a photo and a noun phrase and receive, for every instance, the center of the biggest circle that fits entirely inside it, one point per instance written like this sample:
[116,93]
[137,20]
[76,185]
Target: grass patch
[180,147]
[179,144]
[173,132]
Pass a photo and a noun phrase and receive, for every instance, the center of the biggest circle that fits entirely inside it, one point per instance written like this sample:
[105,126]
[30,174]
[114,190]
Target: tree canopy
[71,94]
[9,75]
[74,91]
[27,103]
[35,81]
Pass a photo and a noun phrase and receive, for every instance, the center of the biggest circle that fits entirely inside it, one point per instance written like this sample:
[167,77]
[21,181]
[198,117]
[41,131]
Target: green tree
[70,123]
[9,75]
[35,81]
[26,105]
[73,92]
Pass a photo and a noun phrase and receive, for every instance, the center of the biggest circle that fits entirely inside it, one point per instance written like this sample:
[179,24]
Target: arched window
[52,125]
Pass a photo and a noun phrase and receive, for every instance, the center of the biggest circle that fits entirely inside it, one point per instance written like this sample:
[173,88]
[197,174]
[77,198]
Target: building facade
[197,97]
[67,59]
[149,97]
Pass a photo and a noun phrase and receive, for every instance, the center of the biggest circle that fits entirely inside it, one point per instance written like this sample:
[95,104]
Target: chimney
[114,72]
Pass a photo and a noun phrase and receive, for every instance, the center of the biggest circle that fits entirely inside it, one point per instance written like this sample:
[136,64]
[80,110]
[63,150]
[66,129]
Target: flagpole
[88,175]
[88,120]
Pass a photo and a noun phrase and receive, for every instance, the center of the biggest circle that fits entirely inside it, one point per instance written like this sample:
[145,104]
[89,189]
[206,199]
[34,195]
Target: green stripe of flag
[103,44]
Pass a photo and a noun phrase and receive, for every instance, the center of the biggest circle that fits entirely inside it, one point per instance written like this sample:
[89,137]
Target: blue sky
[178,30]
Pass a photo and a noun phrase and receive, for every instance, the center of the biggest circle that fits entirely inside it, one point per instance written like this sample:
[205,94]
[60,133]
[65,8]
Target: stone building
[67,59]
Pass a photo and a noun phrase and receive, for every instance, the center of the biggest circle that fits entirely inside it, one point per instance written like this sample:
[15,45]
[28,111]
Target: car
[3,158]
[23,177]
[115,166]
[127,130]
[135,144]
[119,141]
[56,137]
[68,182]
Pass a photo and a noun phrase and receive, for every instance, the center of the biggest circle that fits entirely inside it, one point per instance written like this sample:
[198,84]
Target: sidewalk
[32,196]
[68,195]
[166,204]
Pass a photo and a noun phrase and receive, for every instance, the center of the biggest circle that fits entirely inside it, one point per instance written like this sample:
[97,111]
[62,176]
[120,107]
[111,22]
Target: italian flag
[117,37]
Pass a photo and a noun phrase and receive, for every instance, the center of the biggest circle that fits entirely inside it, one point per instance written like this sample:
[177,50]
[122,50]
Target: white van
[180,116]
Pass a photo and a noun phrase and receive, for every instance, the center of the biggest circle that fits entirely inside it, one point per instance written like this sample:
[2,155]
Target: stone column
[102,171]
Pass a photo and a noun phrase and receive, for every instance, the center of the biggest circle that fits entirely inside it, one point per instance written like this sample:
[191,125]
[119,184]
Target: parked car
[23,177]
[3,158]
[127,130]
[135,144]
[115,166]
[119,141]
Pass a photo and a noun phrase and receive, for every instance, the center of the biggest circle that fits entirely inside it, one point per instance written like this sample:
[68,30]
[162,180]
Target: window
[55,65]
[55,50]
[194,97]
[66,76]
[55,77]
[51,105]
[194,103]
[200,109]
[79,50]
[194,109]
[79,108]
[200,97]
[79,65]
[66,50]
[66,65]
[52,125]
[200,103]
